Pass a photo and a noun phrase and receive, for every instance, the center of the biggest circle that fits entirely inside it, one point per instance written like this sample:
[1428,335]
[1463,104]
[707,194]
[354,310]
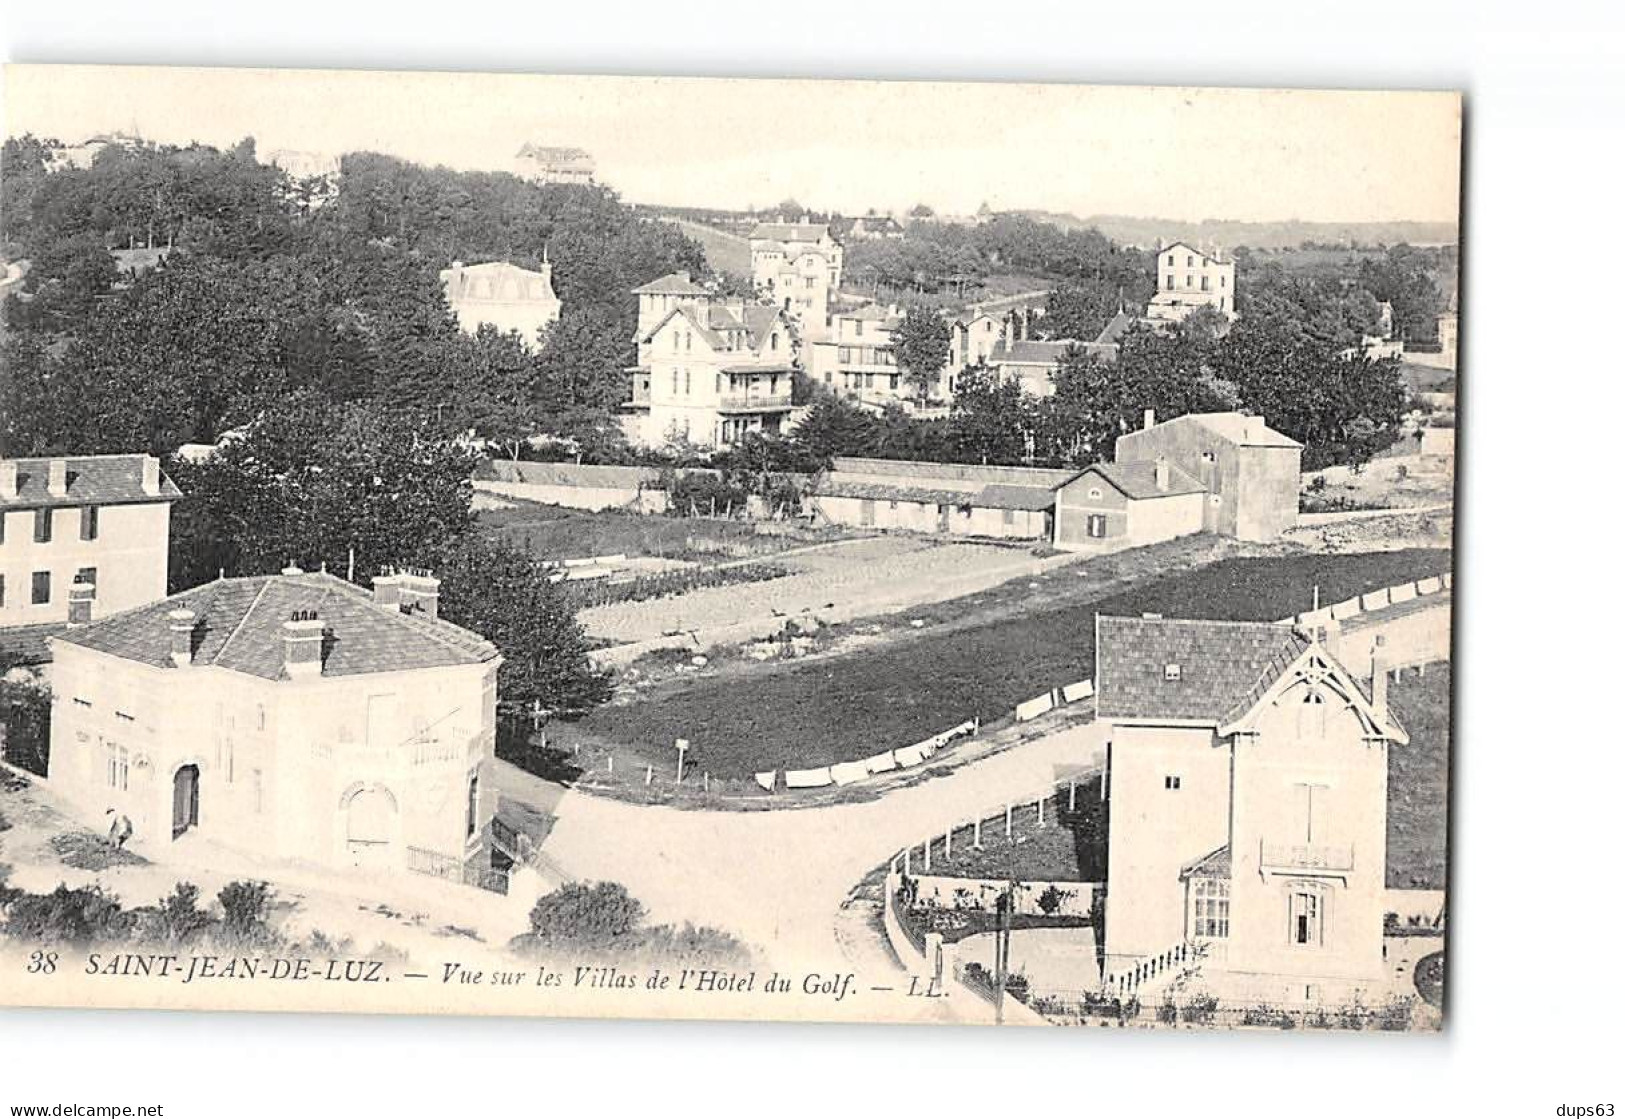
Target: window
[857,328]
[1009,517]
[259,791]
[1210,908]
[773,339]
[118,768]
[2,526]
[1304,912]
[688,382]
[42,588]
[1221,281]
[1095,493]
[1312,715]
[1170,672]
[1204,283]
[1190,262]
[1189,281]
[1171,782]
[1170,260]
[473,804]
[85,575]
[42,526]
[1097,526]
[89,522]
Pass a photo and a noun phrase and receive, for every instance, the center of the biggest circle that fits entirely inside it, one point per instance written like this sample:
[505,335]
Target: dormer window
[1170,672]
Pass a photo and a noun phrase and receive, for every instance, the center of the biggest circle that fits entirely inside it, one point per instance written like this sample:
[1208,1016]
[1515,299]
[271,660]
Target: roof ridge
[242,621]
[1284,625]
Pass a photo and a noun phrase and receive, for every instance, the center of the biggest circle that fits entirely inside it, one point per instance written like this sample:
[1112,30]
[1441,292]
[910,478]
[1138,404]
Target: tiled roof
[1138,480]
[835,487]
[1214,864]
[1221,665]
[1115,329]
[239,627]
[565,474]
[93,480]
[1027,352]
[550,154]
[788,231]
[967,474]
[673,283]
[1015,497]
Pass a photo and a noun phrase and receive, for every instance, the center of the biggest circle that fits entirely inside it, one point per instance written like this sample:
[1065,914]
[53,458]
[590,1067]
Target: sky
[1179,154]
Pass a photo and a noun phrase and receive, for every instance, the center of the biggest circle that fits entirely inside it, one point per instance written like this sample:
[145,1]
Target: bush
[694,946]
[1395,1015]
[25,725]
[77,917]
[177,919]
[1199,1010]
[244,906]
[1168,1013]
[585,916]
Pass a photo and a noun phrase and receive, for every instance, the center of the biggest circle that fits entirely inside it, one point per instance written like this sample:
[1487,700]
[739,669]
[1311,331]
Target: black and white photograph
[521,547]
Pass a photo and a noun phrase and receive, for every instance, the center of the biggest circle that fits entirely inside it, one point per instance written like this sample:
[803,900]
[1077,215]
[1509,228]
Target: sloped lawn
[1418,781]
[849,707]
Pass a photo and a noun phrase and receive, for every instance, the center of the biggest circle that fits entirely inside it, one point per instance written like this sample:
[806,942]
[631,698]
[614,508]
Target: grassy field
[852,706]
[726,252]
[1418,781]
[1070,847]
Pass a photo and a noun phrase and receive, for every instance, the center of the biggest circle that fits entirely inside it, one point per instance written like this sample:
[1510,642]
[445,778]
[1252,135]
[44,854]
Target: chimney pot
[293,569]
[1150,418]
[181,624]
[420,593]
[57,477]
[386,589]
[8,479]
[151,480]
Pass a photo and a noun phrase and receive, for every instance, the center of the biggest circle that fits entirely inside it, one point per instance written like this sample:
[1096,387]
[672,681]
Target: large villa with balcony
[709,369]
[1247,786]
[292,716]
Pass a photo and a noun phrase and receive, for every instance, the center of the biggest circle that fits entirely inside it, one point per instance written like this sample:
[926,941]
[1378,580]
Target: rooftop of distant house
[672,283]
[26,483]
[1242,430]
[1028,352]
[549,154]
[790,231]
[1138,480]
[238,624]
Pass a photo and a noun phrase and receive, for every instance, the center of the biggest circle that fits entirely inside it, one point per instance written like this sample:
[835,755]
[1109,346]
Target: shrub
[78,917]
[25,725]
[696,946]
[1199,1010]
[1051,900]
[586,916]
[1168,1013]
[1353,1016]
[245,906]
[177,919]
[1395,1015]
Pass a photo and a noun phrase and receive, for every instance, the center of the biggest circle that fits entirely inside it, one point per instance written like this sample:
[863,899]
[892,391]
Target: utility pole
[1001,952]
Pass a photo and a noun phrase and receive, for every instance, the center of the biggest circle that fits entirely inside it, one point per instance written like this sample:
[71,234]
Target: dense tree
[993,420]
[921,344]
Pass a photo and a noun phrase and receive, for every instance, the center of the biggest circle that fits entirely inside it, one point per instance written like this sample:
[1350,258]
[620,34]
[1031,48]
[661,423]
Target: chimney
[8,479]
[386,589]
[151,480]
[80,597]
[1150,418]
[181,623]
[1162,474]
[1379,676]
[57,478]
[420,594]
[302,645]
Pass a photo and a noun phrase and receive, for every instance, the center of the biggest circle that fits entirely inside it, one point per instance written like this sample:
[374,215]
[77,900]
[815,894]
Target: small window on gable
[1094,493]
[1171,782]
[1170,672]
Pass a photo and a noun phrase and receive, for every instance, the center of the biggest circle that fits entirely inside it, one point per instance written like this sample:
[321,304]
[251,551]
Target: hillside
[724,252]
[1146,232]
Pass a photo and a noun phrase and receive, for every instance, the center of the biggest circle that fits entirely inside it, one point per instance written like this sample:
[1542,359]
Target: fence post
[908,860]
[649,775]
[612,763]
[926,865]
[1040,805]
[948,845]
[1007,821]
[976,833]
[1072,796]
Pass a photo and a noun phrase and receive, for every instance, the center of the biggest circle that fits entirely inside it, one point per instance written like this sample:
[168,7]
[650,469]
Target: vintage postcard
[842,551]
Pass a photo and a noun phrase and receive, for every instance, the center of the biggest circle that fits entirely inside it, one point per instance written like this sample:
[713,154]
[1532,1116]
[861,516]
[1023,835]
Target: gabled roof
[789,231]
[1027,352]
[239,627]
[1220,666]
[1138,480]
[672,283]
[92,480]
[1214,864]
[1226,672]
[1215,257]
[999,496]
[1115,329]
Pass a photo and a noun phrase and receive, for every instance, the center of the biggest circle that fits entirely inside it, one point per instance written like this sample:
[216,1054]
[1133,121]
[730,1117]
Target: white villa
[798,266]
[292,715]
[709,369]
[1188,279]
[93,526]
[1247,785]
[505,295]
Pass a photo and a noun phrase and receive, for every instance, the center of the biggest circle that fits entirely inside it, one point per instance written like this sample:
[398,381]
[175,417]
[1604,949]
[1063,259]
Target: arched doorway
[185,801]
[369,826]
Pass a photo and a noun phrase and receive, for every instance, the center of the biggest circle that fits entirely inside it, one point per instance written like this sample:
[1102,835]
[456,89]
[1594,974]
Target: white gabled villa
[1247,785]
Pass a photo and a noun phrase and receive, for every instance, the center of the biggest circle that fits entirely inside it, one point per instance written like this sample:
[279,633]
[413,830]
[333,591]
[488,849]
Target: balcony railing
[753,402]
[1305,857]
